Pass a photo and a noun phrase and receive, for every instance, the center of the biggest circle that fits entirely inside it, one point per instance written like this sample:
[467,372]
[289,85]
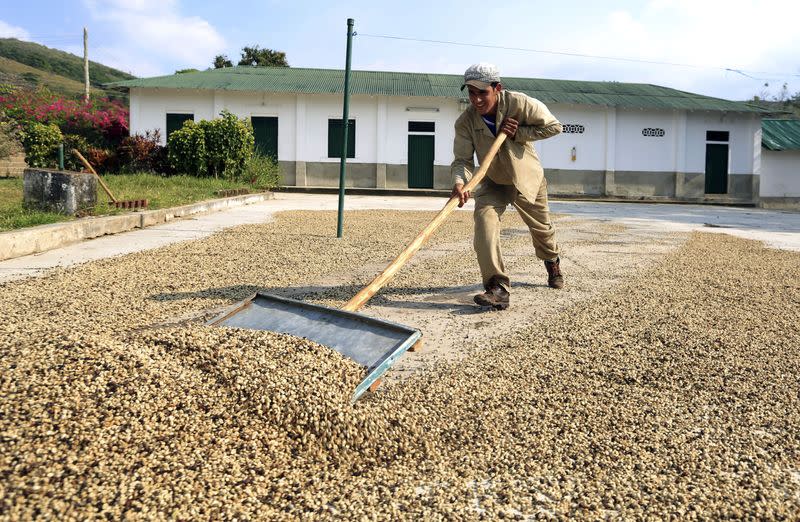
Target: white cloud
[157,33]
[12,31]
[709,36]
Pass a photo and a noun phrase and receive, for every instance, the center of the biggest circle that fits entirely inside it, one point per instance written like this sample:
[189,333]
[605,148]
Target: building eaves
[780,134]
[381,83]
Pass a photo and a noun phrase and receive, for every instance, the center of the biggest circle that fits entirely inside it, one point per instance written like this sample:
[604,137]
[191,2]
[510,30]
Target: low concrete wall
[289,171]
[320,174]
[442,179]
[676,186]
[777,203]
[741,185]
[59,191]
[32,240]
[636,184]
[397,176]
[690,185]
[572,182]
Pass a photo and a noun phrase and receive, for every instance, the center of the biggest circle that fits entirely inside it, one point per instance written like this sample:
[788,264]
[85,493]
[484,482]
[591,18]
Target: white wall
[635,152]
[590,149]
[303,120]
[403,110]
[149,107]
[780,174]
[248,104]
[742,128]
[612,138]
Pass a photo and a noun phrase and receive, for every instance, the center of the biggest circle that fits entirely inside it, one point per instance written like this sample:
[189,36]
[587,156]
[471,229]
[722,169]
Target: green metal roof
[780,134]
[377,83]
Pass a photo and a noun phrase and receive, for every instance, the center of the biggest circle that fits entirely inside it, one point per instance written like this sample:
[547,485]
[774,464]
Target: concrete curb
[34,240]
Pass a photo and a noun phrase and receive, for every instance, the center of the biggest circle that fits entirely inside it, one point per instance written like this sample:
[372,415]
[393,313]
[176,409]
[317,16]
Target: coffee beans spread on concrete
[674,395]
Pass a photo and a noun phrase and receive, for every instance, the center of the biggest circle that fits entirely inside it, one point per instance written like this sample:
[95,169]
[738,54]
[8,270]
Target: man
[514,177]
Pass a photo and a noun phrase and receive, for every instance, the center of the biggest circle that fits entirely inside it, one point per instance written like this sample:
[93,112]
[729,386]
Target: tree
[783,96]
[221,61]
[782,104]
[184,71]
[263,57]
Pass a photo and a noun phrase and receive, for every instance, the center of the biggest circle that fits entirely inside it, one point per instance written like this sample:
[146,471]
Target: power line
[579,55]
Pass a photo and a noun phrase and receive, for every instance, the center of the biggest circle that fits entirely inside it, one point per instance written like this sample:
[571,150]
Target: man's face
[484,101]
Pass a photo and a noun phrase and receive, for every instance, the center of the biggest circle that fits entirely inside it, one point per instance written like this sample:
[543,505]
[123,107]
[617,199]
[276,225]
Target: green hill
[30,64]
[22,75]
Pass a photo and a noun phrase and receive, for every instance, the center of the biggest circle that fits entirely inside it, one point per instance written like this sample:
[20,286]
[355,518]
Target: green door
[716,168]
[265,132]
[420,161]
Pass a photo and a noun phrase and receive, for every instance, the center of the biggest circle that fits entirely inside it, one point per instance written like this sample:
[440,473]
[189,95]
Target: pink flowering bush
[103,122]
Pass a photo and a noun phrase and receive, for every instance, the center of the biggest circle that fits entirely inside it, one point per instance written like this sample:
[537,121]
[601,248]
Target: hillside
[58,62]
[22,75]
[31,65]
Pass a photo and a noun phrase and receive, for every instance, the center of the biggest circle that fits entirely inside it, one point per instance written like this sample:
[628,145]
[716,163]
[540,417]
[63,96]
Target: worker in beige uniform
[514,177]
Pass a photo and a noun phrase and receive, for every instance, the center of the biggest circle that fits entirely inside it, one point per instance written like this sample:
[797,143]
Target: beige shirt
[516,162]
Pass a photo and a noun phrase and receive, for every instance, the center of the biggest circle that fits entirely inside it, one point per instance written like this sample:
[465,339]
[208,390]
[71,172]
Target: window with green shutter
[175,121]
[335,138]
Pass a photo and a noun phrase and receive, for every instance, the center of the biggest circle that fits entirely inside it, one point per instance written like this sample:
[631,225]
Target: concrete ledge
[781,203]
[33,240]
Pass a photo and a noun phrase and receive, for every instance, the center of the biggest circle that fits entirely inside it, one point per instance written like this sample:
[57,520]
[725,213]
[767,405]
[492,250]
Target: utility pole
[85,66]
[345,125]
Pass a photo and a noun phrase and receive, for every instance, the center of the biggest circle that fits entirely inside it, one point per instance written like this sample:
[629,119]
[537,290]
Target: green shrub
[79,143]
[262,172]
[187,150]
[219,148]
[41,145]
[229,144]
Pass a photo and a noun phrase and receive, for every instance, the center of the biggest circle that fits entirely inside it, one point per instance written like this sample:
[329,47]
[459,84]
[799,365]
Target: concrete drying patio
[778,229]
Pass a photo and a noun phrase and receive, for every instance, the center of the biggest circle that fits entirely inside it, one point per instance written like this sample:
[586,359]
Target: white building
[780,164]
[620,139]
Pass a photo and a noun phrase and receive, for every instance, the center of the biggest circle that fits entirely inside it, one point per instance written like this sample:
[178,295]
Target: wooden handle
[361,298]
[89,166]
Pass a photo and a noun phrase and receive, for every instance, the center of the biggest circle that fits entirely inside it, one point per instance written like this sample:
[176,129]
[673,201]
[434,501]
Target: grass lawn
[12,215]
[163,192]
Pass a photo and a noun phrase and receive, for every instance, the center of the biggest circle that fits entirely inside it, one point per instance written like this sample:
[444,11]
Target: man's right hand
[463,195]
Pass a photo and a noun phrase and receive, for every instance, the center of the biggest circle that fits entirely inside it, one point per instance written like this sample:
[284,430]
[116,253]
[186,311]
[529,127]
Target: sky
[723,48]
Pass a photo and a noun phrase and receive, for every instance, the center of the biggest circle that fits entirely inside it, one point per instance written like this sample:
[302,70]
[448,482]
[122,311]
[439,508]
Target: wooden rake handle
[89,166]
[361,298]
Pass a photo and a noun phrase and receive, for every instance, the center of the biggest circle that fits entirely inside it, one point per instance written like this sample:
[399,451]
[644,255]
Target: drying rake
[126,204]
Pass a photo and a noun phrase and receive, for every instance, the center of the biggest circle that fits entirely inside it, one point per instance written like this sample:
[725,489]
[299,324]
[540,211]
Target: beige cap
[481,75]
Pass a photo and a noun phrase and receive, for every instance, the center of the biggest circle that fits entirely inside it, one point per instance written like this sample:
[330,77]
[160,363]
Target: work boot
[495,296]
[554,277]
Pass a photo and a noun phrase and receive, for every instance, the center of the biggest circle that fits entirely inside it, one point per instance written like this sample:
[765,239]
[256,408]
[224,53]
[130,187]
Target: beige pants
[491,201]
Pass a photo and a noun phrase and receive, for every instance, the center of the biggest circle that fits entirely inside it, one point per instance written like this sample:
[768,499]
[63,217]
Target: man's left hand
[510,126]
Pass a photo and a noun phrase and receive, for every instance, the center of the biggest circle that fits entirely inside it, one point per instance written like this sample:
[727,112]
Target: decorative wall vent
[653,133]
[572,128]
